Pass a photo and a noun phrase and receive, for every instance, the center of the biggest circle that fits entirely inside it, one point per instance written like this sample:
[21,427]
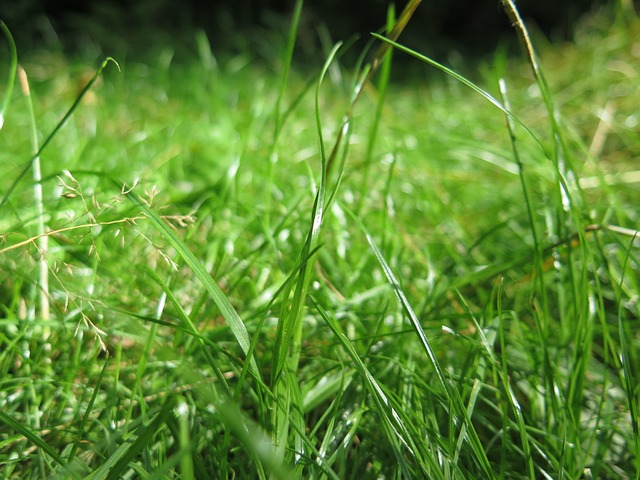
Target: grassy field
[226,268]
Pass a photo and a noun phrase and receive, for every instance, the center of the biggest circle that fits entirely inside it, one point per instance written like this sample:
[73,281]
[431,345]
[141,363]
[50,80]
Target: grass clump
[256,274]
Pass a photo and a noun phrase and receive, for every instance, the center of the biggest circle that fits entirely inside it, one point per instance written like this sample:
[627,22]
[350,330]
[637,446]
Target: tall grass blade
[11,74]
[469,84]
[289,330]
[383,83]
[32,436]
[560,156]
[88,411]
[288,343]
[537,260]
[630,380]
[58,127]
[238,328]
[451,392]
[134,443]
[43,239]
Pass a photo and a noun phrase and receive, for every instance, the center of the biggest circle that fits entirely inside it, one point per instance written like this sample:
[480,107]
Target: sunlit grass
[255,272]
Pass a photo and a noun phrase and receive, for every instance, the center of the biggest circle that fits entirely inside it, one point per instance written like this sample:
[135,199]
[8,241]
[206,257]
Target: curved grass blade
[453,395]
[238,328]
[116,465]
[55,131]
[469,84]
[289,331]
[626,358]
[394,421]
[32,437]
[191,329]
[287,413]
[85,418]
[13,67]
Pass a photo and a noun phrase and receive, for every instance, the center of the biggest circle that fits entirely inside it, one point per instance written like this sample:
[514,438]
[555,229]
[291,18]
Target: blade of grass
[43,240]
[238,328]
[32,436]
[575,318]
[279,118]
[630,383]
[289,330]
[288,343]
[556,131]
[383,83]
[57,128]
[11,75]
[537,260]
[469,84]
[450,391]
[89,409]
[117,464]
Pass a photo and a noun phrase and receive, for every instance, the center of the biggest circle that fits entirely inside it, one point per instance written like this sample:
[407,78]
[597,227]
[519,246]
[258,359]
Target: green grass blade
[289,328]
[397,436]
[451,392]
[288,342]
[32,437]
[254,440]
[630,379]
[525,38]
[469,84]
[116,465]
[57,128]
[238,328]
[11,75]
[89,409]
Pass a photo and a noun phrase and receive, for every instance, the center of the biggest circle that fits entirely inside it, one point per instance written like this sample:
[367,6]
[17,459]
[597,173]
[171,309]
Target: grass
[254,272]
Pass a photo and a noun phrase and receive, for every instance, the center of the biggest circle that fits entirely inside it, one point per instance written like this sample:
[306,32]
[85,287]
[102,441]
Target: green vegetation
[222,269]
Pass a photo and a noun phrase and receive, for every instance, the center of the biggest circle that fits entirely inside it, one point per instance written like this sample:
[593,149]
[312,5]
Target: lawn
[232,267]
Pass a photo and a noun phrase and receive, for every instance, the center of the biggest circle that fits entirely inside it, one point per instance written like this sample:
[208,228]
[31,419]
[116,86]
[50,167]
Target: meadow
[219,267]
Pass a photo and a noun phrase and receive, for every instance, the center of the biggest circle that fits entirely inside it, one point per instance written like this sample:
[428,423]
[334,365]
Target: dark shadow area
[142,28]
